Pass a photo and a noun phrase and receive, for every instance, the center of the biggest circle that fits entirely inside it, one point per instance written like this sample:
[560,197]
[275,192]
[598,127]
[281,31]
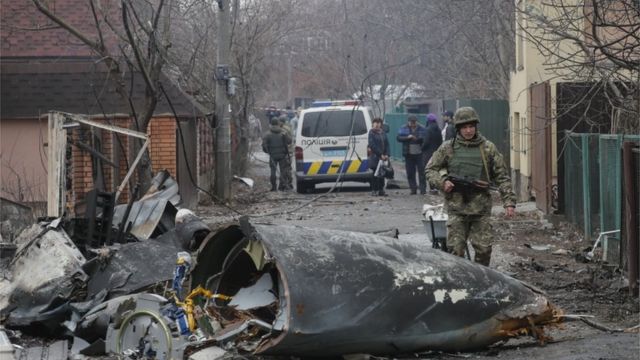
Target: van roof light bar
[324,103]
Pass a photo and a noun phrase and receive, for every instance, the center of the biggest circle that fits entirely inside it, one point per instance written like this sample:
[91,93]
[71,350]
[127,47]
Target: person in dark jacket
[449,130]
[276,144]
[379,150]
[432,140]
[411,136]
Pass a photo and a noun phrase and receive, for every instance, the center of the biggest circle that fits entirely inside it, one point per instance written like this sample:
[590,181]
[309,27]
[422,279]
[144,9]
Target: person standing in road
[276,144]
[449,130]
[472,157]
[294,121]
[432,140]
[284,123]
[411,135]
[378,150]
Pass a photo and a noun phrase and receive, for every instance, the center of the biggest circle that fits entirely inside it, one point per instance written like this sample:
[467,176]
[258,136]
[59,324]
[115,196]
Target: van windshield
[333,123]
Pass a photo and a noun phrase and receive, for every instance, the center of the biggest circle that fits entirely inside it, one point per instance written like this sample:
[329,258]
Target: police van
[331,142]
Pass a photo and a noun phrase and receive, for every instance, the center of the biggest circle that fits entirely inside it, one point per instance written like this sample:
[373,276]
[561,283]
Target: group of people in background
[439,158]
[419,142]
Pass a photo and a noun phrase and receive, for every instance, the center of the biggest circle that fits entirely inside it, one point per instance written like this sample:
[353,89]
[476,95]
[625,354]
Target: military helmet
[465,115]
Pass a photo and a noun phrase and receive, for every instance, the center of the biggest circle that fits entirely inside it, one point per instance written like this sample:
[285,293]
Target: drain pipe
[629,154]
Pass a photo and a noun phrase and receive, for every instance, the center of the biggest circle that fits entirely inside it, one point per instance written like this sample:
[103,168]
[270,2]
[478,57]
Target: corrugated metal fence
[593,180]
[395,122]
[494,123]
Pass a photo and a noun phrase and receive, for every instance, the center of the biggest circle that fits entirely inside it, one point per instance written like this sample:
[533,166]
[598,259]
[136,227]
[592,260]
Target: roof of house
[30,88]
[25,31]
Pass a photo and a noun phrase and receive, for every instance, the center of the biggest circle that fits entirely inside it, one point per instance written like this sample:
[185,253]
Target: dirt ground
[548,254]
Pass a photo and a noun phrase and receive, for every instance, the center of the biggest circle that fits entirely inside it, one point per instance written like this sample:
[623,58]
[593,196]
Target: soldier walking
[284,123]
[276,144]
[476,160]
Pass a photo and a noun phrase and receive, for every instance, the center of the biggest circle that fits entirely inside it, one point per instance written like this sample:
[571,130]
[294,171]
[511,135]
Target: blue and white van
[331,143]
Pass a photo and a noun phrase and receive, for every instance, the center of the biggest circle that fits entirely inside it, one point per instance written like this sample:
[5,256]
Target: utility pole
[289,81]
[222,180]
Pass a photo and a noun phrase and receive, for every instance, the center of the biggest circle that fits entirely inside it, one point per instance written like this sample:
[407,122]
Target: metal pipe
[131,169]
[631,212]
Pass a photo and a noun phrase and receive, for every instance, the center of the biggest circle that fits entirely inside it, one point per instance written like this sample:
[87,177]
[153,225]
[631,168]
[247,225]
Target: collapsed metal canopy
[341,292]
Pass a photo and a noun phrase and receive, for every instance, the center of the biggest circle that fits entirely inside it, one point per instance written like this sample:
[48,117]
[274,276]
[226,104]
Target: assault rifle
[468,186]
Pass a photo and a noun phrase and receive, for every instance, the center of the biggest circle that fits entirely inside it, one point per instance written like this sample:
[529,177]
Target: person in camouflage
[276,144]
[471,156]
[284,124]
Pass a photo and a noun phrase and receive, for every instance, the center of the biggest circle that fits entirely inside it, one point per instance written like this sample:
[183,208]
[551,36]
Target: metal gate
[540,115]
[188,192]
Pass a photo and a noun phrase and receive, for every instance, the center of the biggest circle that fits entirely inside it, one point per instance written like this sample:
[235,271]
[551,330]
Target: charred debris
[149,280]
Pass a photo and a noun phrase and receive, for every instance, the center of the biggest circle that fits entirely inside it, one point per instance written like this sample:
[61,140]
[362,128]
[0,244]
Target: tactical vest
[467,162]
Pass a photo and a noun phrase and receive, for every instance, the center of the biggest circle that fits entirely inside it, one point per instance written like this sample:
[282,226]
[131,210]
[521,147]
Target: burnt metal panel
[541,172]
[345,292]
[134,266]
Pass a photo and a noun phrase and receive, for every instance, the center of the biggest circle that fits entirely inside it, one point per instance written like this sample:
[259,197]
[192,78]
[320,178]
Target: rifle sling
[484,162]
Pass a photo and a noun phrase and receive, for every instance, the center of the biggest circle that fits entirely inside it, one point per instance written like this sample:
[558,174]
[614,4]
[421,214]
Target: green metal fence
[395,122]
[610,181]
[593,180]
[494,121]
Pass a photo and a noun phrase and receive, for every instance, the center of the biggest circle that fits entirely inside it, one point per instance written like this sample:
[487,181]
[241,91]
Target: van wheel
[302,187]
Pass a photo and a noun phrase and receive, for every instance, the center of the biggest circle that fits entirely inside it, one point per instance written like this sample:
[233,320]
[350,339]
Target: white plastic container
[435,212]
[439,228]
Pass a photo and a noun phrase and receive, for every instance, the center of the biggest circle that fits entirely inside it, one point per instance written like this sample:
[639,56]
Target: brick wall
[163,145]
[162,150]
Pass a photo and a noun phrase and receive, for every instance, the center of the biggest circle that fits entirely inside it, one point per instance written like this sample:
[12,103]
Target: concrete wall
[529,71]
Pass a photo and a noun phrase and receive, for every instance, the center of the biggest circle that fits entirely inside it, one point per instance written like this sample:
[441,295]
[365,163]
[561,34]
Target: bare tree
[142,29]
[452,49]
[259,28]
[258,50]
[596,42]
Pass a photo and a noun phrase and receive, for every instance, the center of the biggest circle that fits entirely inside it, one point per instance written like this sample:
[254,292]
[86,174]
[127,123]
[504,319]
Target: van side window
[333,123]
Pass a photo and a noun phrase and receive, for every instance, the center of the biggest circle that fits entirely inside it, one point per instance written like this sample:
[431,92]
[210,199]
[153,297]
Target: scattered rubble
[259,289]
[176,289]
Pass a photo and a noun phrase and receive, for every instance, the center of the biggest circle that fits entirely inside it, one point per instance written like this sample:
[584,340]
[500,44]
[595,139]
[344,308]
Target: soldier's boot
[483,255]
[457,251]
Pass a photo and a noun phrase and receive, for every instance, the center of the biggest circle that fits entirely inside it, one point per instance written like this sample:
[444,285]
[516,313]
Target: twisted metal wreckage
[253,288]
[281,290]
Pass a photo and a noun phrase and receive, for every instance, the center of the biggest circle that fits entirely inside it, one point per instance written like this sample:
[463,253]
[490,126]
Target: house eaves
[32,87]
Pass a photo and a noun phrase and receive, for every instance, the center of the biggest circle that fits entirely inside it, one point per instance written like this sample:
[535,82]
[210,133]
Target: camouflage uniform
[276,143]
[469,217]
[288,176]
